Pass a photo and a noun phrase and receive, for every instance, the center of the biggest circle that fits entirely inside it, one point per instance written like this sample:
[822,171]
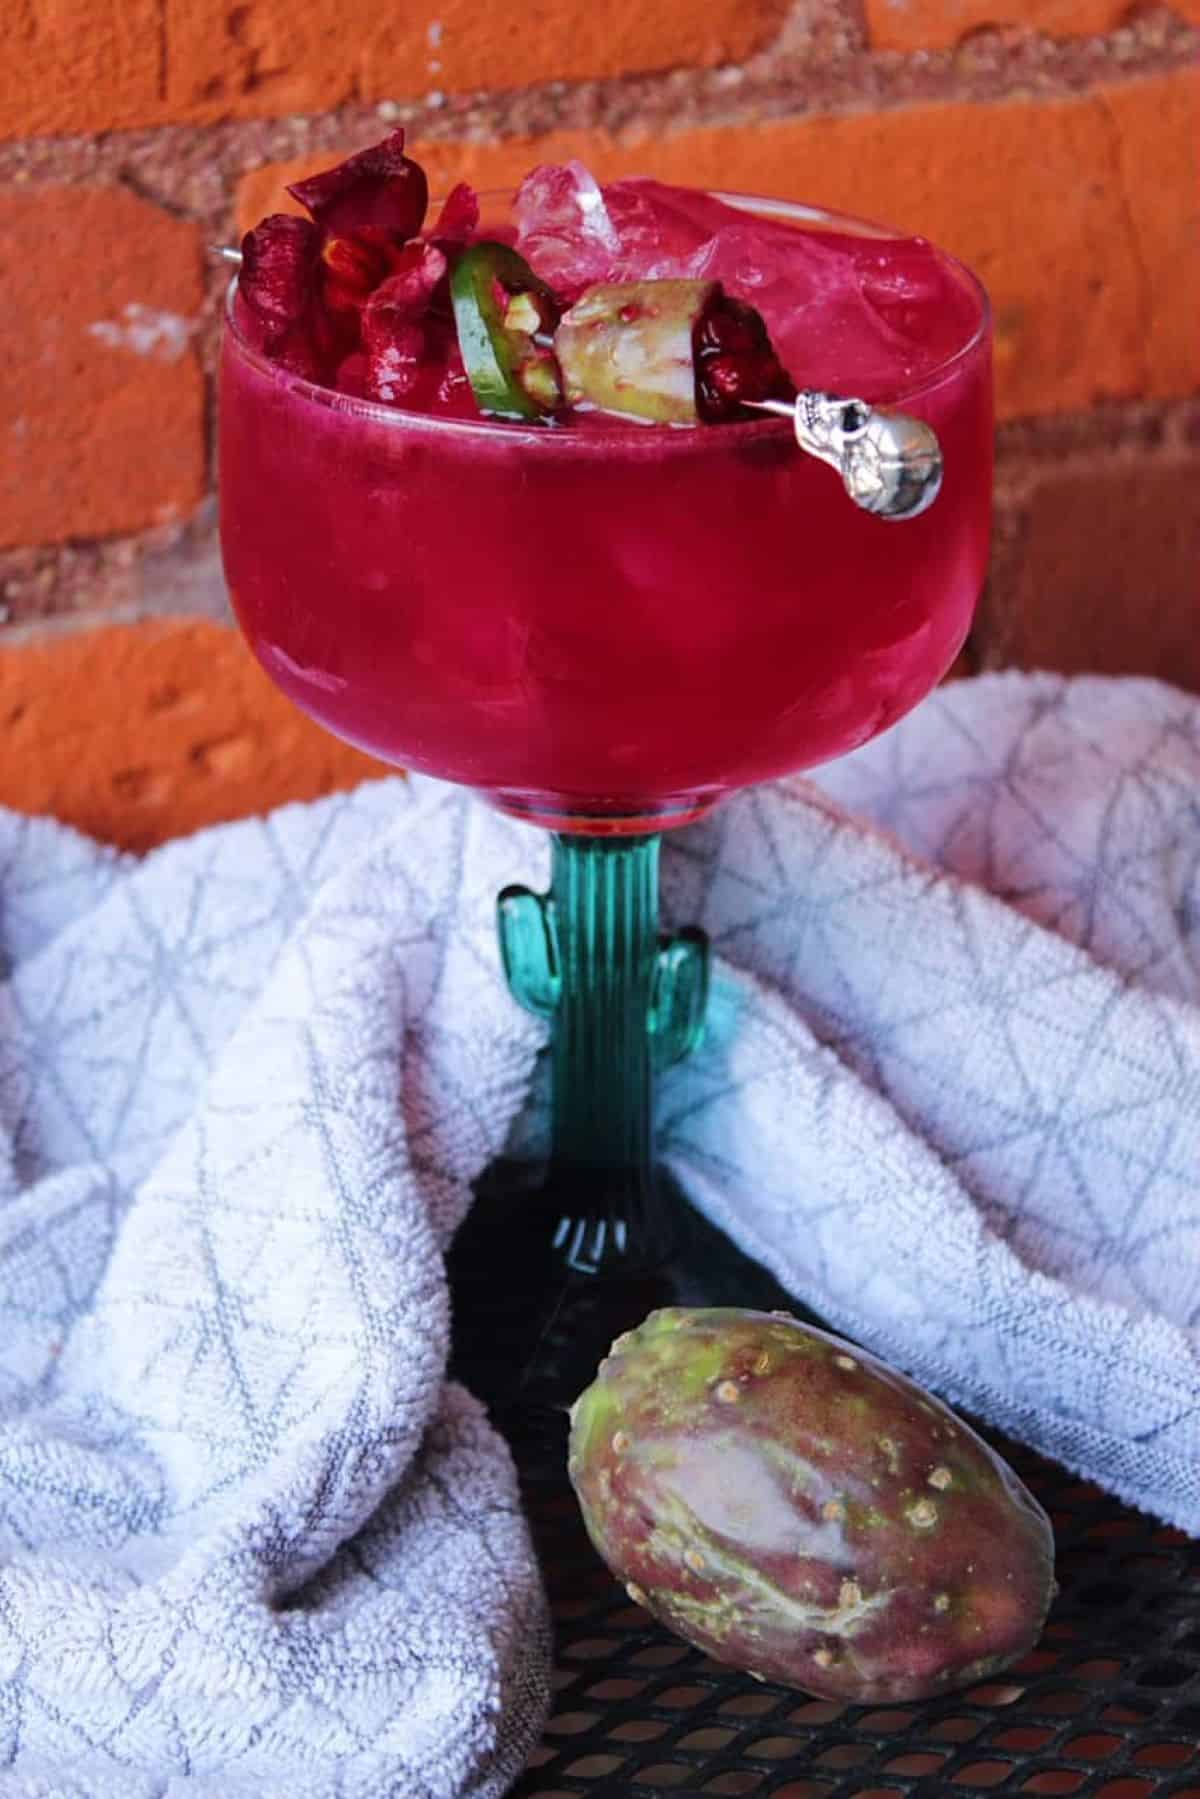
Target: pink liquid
[607,625]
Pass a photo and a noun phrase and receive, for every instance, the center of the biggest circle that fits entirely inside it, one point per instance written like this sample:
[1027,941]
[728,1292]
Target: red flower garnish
[356,296]
[379,188]
[304,282]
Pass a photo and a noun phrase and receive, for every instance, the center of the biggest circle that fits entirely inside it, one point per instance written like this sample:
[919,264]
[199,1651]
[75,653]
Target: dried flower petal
[458,220]
[292,349]
[278,275]
[300,355]
[417,271]
[405,341]
[354,267]
[395,365]
[379,187]
[454,396]
[351,377]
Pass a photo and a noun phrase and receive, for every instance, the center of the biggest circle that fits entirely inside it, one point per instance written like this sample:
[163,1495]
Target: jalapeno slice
[501,310]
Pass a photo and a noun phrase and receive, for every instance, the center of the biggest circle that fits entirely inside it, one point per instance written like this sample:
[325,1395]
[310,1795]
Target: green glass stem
[623,1002]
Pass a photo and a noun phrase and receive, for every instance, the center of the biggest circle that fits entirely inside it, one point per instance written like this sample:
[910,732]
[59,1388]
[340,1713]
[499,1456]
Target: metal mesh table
[1107,1705]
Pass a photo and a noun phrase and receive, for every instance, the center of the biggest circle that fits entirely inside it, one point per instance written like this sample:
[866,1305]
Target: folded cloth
[251,1541]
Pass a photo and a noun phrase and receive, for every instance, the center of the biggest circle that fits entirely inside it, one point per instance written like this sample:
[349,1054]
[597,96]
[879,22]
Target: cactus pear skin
[790,1505]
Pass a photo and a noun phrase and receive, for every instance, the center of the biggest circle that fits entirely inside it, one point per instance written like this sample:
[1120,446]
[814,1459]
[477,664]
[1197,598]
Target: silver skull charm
[890,464]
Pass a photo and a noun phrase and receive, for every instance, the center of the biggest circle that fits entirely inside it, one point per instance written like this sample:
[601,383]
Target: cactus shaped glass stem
[623,1002]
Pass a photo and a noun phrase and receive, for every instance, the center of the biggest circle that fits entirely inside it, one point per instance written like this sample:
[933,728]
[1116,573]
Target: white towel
[251,1541]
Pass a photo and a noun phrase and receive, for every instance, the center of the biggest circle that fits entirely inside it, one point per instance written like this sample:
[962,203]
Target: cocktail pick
[225,253]
[890,463]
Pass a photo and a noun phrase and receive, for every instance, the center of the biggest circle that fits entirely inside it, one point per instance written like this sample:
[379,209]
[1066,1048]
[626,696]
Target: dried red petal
[406,342]
[297,352]
[250,325]
[454,396]
[353,269]
[407,292]
[278,275]
[334,333]
[351,377]
[395,369]
[411,344]
[379,187]
[292,348]
[458,220]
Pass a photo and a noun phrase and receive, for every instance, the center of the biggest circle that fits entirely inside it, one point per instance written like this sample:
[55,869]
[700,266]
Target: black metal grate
[1107,1706]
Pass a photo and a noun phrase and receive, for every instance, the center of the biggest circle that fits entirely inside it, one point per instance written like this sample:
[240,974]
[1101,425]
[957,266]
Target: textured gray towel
[250,1541]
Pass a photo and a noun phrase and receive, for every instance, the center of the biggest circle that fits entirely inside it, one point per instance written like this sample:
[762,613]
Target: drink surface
[605,622]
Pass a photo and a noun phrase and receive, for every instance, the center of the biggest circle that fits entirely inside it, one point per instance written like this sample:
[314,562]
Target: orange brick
[95,64]
[78,65]
[136,733]
[458,44]
[1154,133]
[264,58]
[940,24]
[1079,213]
[101,395]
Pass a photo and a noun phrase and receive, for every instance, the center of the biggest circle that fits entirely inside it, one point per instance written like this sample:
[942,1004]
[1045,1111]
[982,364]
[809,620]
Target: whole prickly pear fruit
[792,1506]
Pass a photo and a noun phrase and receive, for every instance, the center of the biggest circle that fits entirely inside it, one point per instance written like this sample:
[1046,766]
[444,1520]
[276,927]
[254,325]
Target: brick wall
[1050,143]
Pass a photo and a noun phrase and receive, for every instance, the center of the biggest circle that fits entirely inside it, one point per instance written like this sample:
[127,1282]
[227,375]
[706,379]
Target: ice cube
[848,312]
[915,292]
[563,228]
[664,232]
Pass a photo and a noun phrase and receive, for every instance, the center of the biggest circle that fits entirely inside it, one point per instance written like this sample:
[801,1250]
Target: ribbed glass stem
[604,895]
[622,1002]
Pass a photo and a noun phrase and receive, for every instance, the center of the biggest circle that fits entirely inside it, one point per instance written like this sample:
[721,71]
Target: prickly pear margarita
[596,620]
[504,499]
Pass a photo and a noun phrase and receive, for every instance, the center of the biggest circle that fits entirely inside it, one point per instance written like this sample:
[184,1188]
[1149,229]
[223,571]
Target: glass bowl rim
[399,417]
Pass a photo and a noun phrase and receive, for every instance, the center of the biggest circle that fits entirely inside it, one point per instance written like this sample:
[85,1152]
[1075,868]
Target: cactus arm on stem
[679,996]
[528,949]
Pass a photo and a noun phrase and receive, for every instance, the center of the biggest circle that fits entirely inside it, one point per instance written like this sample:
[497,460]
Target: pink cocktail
[604,625]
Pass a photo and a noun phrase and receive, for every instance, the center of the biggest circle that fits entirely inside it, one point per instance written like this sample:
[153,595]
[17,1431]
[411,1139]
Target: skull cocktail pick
[890,463]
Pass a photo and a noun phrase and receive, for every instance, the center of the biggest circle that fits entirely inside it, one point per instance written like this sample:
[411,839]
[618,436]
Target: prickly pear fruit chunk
[628,346]
[790,1505]
[671,352]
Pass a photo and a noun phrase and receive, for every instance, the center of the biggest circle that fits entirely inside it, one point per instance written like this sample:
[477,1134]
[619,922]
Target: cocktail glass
[603,629]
